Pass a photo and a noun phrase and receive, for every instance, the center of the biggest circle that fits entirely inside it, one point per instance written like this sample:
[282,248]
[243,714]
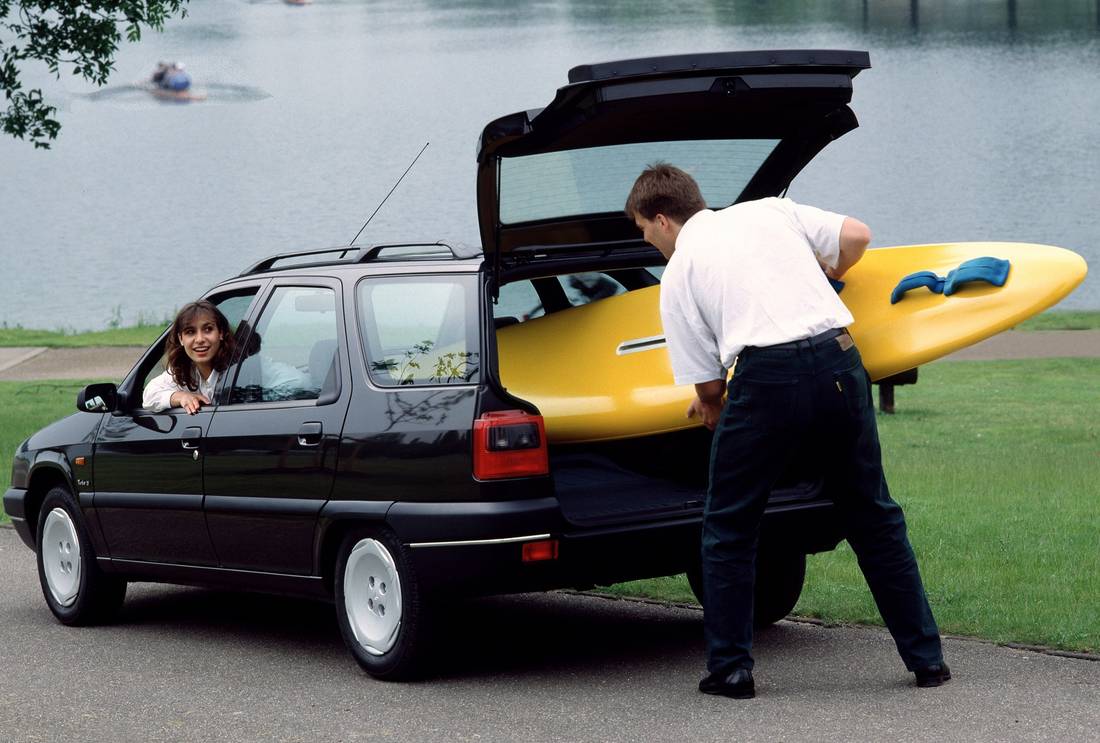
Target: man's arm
[854,239]
[708,402]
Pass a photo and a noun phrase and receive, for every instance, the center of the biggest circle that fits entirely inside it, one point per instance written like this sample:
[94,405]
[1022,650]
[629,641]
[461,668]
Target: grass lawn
[138,335]
[1062,320]
[996,464]
[28,406]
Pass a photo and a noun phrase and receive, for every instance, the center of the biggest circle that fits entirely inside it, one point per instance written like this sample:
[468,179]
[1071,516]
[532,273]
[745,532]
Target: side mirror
[97,398]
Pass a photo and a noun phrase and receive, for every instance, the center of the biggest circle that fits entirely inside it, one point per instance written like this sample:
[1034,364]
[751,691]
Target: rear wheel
[76,590]
[779,579]
[379,605]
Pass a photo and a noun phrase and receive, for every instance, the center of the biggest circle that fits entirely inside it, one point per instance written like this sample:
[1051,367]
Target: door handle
[191,437]
[310,434]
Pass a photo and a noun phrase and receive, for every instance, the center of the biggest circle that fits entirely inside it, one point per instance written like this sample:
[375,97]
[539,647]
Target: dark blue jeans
[780,402]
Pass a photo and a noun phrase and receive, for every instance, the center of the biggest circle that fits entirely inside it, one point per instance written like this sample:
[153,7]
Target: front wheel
[379,606]
[779,579]
[76,590]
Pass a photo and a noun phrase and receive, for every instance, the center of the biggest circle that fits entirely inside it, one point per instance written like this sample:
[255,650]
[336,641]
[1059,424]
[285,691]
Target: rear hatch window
[553,185]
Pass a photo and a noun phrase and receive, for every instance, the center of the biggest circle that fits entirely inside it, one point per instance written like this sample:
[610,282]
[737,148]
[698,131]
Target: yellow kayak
[601,370]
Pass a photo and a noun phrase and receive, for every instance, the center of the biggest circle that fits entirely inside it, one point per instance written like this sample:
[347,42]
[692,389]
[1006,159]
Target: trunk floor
[593,489]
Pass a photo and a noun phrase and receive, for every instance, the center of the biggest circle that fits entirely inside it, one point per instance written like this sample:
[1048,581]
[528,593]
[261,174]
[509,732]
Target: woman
[199,348]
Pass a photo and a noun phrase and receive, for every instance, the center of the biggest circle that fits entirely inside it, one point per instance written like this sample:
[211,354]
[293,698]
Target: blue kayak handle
[990,270]
[986,269]
[915,281]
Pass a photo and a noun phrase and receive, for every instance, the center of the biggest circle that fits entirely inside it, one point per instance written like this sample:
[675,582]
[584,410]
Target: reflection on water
[145,93]
[977,122]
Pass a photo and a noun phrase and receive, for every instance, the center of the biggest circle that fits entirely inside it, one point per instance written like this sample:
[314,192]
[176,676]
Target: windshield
[598,179]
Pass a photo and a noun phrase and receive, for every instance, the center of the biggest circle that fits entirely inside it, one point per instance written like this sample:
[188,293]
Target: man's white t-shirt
[748,275]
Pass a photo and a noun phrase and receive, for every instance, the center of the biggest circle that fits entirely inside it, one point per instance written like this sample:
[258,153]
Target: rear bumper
[15,507]
[477,548]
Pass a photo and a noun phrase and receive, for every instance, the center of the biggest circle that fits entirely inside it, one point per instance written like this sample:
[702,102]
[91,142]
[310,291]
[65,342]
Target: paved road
[188,664]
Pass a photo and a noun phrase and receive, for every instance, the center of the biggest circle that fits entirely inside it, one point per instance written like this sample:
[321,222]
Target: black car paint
[400,456]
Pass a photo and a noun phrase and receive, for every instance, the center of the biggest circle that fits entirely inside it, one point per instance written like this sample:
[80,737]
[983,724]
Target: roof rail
[363,254]
[417,250]
[267,263]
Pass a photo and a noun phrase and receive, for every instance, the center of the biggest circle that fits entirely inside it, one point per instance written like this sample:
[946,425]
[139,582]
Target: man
[747,283]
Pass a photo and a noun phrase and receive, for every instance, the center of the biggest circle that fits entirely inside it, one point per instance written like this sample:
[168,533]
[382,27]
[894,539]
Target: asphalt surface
[189,664]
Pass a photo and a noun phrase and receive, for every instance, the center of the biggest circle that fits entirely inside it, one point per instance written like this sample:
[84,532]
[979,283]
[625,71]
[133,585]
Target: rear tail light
[545,549]
[509,443]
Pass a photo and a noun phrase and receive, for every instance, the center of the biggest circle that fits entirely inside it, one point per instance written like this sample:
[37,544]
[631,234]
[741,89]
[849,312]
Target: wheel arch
[337,520]
[46,473]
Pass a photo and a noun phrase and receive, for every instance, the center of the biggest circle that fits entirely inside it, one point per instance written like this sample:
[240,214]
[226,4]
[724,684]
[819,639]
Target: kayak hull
[601,371]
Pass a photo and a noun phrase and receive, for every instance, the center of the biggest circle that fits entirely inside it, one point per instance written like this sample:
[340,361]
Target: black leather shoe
[736,685]
[936,675]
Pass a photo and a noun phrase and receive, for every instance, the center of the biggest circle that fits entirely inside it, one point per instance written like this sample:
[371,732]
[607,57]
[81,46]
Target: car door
[148,466]
[270,451]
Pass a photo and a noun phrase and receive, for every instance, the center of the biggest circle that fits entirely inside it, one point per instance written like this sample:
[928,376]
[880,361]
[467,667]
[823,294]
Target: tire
[76,590]
[379,605]
[779,579]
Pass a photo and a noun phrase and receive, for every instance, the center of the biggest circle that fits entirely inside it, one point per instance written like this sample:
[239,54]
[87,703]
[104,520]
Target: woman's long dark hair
[179,363]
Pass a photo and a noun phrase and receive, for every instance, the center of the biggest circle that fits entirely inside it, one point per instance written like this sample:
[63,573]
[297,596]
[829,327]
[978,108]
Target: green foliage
[84,36]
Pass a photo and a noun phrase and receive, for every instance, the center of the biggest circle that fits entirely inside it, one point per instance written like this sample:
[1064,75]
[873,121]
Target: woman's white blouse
[158,393]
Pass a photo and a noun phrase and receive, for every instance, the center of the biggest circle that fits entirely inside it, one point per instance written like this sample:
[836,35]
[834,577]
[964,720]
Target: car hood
[555,179]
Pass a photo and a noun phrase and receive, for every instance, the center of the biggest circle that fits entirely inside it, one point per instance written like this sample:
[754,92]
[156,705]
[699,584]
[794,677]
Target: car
[401,471]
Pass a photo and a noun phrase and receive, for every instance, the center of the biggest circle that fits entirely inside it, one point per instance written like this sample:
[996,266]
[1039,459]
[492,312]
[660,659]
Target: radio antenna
[360,232]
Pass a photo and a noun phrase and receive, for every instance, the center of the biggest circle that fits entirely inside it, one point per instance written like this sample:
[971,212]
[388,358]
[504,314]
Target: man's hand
[189,401]
[708,402]
[709,412]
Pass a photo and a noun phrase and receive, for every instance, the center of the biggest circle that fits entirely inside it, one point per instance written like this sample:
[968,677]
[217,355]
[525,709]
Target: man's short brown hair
[665,189]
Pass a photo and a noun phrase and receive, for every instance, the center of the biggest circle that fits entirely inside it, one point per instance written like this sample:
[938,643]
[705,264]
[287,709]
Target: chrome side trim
[205,568]
[467,542]
[641,344]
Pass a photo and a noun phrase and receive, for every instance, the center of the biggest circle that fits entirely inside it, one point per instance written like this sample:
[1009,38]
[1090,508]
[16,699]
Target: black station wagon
[398,469]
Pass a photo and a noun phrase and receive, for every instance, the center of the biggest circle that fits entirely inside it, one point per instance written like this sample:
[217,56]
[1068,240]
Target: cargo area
[654,477]
[627,479]
[632,479]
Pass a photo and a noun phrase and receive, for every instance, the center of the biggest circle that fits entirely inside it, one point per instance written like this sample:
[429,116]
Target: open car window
[233,304]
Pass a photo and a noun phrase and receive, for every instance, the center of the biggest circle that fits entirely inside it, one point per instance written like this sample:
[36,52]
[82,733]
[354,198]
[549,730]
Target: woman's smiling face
[201,340]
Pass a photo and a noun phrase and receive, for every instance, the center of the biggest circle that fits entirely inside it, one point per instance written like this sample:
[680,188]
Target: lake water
[979,121]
